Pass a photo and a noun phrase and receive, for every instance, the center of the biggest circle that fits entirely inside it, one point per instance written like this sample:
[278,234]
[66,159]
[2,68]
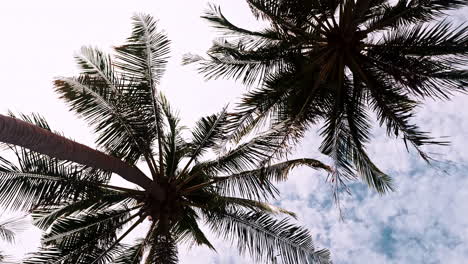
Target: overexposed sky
[425,221]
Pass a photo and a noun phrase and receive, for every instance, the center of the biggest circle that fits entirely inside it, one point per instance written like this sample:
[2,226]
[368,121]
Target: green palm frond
[165,251]
[236,61]
[247,184]
[346,151]
[52,255]
[439,39]
[83,239]
[173,144]
[247,155]
[217,19]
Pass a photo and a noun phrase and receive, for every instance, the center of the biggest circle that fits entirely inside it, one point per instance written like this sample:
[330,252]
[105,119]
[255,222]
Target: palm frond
[239,62]
[258,183]
[441,38]
[24,191]
[122,132]
[53,255]
[395,109]
[44,255]
[143,59]
[164,250]
[215,16]
[247,155]
[188,231]
[145,55]
[174,145]
[207,134]
[115,244]
[254,206]
[406,12]
[69,231]
[266,238]
[99,66]
[82,239]
[293,15]
[9,227]
[44,216]
[131,254]
[347,150]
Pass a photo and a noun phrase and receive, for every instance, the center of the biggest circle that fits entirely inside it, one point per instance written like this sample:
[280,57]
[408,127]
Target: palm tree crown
[332,61]
[84,217]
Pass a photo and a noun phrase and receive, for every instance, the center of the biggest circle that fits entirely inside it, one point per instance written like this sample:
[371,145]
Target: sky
[424,221]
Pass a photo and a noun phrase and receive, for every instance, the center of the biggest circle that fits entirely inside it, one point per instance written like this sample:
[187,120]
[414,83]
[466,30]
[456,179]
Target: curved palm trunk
[23,134]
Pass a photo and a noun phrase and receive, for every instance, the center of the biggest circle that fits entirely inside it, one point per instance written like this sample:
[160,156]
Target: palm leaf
[101,106]
[265,238]
[258,183]
[131,254]
[11,226]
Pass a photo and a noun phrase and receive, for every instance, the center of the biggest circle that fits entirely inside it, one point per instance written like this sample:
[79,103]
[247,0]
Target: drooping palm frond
[52,255]
[257,184]
[83,238]
[187,230]
[264,237]
[164,251]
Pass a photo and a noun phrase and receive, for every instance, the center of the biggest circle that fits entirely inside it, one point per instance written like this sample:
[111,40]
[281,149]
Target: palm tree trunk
[23,134]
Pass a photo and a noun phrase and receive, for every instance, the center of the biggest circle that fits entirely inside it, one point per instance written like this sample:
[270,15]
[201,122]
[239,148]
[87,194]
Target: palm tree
[334,61]
[65,185]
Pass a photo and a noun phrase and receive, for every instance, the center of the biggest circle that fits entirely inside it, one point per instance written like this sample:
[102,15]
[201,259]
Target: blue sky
[424,221]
